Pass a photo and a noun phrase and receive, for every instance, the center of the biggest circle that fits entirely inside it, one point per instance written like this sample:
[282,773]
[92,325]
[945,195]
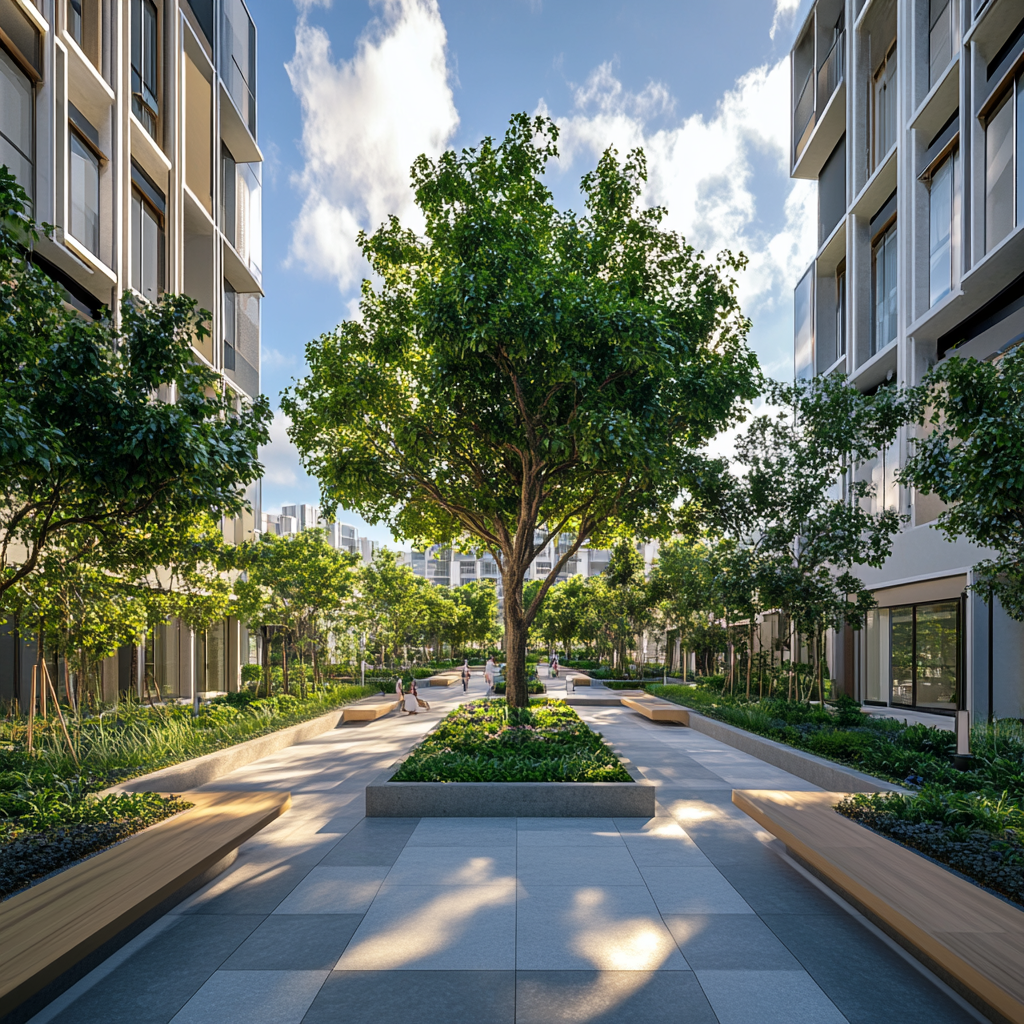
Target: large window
[883,108]
[925,654]
[144,63]
[16,120]
[941,37]
[943,228]
[147,237]
[230,326]
[803,327]
[841,311]
[238,59]
[884,262]
[1004,166]
[84,192]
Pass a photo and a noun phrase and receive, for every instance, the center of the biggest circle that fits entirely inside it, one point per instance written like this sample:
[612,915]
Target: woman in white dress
[412,704]
[489,672]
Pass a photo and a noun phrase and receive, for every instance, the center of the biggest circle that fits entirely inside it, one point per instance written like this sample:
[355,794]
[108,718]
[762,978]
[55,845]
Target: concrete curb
[177,778]
[809,767]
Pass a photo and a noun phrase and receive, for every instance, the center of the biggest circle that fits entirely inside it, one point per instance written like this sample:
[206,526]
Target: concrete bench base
[368,712]
[510,800]
[657,711]
[969,937]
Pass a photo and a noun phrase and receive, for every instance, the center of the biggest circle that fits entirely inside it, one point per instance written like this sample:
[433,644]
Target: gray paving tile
[460,831]
[415,997]
[768,997]
[696,889]
[295,942]
[568,865]
[897,990]
[726,942]
[157,980]
[611,997]
[454,865]
[436,927]
[572,837]
[562,824]
[778,889]
[592,927]
[252,997]
[334,890]
[255,892]
[372,842]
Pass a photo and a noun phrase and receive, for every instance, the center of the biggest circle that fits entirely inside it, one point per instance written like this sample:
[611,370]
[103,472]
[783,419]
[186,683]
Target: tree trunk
[750,652]
[515,642]
[284,663]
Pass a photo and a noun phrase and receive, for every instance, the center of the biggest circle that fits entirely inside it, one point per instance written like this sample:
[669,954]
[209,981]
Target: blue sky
[351,91]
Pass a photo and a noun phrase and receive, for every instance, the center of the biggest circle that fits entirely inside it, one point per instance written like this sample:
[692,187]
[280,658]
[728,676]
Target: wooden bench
[577,678]
[445,679]
[657,710]
[973,938]
[47,929]
[368,712]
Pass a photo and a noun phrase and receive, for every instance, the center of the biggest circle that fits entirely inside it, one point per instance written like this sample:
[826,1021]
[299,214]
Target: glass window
[84,193]
[74,16]
[925,654]
[884,108]
[227,193]
[144,63]
[940,232]
[999,174]
[877,641]
[940,38]
[884,263]
[841,312]
[230,326]
[803,341]
[1020,150]
[16,119]
[147,248]
[238,59]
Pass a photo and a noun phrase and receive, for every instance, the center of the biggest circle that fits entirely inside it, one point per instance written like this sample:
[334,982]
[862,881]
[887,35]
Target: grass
[487,741]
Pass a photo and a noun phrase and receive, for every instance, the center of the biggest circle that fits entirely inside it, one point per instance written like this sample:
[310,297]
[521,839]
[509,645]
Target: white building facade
[910,116]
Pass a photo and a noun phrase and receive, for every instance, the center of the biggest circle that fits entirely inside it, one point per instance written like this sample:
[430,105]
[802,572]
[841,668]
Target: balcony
[819,113]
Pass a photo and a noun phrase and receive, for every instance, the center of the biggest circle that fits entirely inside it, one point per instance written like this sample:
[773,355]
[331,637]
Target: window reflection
[925,654]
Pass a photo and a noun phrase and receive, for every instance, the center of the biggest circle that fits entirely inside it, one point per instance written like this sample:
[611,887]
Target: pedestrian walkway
[328,916]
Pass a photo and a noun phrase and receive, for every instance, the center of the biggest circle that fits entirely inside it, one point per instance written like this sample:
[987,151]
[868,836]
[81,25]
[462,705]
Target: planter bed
[486,760]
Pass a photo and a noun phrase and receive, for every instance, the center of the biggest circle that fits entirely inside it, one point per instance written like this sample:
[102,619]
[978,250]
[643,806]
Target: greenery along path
[972,821]
[489,741]
[48,815]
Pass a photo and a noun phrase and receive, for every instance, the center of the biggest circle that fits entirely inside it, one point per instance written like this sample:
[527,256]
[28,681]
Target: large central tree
[523,372]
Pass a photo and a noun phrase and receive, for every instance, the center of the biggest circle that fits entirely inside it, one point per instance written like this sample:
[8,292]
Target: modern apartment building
[910,116]
[132,126]
[340,536]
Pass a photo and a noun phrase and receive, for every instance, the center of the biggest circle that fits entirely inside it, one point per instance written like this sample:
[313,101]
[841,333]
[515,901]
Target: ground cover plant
[489,741]
[49,814]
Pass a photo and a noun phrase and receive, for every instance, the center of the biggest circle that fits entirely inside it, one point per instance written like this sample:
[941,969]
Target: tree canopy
[522,371]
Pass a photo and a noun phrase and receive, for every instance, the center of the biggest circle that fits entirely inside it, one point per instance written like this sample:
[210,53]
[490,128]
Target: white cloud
[280,457]
[364,122]
[708,172]
[784,11]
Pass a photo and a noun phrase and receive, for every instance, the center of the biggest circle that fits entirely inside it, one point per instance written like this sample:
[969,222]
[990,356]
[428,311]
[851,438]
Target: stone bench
[54,931]
[368,712]
[657,711]
[969,937]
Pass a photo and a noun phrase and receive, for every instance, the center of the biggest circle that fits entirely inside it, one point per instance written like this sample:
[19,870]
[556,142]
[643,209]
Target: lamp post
[963,759]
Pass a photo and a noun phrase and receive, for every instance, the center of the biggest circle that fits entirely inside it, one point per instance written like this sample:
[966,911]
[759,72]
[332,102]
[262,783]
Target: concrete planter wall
[809,767]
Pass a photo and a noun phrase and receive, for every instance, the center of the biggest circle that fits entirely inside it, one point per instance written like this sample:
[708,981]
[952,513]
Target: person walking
[399,692]
[465,675]
[554,665]
[412,704]
[489,672]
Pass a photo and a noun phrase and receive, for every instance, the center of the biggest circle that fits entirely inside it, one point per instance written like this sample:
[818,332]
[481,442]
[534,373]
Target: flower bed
[981,837]
[486,741]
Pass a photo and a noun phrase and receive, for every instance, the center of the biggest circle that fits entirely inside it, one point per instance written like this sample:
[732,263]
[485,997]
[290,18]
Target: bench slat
[48,928]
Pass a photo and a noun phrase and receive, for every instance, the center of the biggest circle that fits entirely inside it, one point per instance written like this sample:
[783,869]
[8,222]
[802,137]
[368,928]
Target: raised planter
[177,778]
[510,799]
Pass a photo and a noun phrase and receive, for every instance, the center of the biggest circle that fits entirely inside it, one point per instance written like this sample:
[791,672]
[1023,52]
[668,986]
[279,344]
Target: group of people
[412,702]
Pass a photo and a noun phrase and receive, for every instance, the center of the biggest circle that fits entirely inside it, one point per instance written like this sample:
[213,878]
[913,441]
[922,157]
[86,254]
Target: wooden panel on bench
[577,679]
[47,929]
[368,712]
[657,711]
[444,679]
[975,937]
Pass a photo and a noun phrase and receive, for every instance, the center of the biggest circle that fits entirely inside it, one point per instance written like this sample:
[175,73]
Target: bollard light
[962,759]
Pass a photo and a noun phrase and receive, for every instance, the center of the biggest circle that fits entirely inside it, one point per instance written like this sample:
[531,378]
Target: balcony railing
[830,74]
[803,114]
